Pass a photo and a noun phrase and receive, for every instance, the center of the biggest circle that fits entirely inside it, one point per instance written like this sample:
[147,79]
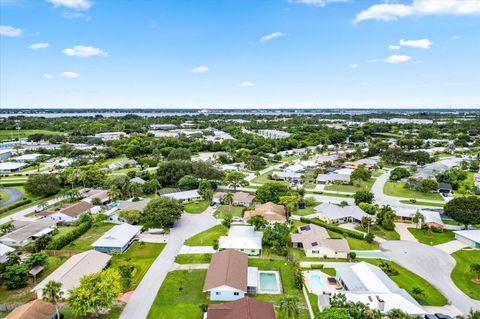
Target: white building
[244,239]
[117,239]
[111,136]
[26,158]
[186,196]
[10,167]
[273,134]
[334,214]
[4,250]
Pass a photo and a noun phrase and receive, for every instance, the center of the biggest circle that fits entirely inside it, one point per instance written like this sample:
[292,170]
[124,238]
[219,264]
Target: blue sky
[239,53]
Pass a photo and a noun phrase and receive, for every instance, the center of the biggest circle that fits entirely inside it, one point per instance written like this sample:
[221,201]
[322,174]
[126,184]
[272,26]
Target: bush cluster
[68,237]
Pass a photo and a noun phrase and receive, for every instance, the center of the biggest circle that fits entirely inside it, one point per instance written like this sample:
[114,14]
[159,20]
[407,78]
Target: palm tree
[114,193]
[418,218]
[472,315]
[52,293]
[475,268]
[289,307]
[228,199]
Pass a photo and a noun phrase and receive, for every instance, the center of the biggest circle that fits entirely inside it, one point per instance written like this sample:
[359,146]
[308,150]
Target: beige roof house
[245,308]
[36,309]
[227,268]
[101,194]
[270,211]
[77,266]
[27,231]
[74,210]
[239,198]
[316,241]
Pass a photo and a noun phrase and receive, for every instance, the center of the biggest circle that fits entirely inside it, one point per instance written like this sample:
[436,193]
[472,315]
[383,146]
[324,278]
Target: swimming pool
[317,282]
[268,282]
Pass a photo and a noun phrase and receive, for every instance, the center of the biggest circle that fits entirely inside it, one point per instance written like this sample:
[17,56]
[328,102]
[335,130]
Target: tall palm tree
[228,199]
[475,268]
[114,193]
[289,307]
[418,218]
[53,293]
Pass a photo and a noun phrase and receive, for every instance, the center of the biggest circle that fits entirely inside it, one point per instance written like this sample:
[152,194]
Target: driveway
[402,230]
[432,264]
[451,246]
[143,297]
[14,195]
[28,210]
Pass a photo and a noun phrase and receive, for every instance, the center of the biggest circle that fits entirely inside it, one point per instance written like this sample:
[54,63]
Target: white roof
[27,157]
[473,235]
[241,237]
[344,171]
[331,211]
[117,236]
[295,168]
[184,195]
[11,165]
[391,301]
[252,277]
[4,249]
[430,215]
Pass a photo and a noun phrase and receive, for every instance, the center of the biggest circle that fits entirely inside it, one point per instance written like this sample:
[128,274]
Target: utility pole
[17,124]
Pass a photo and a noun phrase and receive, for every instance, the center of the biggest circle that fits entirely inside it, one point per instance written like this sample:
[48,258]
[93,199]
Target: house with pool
[244,239]
[229,278]
[316,242]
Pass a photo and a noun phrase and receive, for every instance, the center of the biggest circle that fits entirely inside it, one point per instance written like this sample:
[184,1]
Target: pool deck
[277,278]
[324,279]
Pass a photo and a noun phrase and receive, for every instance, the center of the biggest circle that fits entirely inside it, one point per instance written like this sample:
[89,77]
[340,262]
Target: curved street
[14,195]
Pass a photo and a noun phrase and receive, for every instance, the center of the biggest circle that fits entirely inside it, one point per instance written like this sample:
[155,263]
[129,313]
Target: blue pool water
[268,281]
[317,282]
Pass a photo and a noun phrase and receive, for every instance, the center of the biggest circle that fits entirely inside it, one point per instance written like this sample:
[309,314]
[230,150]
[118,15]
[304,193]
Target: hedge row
[65,239]
[22,202]
[336,229]
[13,184]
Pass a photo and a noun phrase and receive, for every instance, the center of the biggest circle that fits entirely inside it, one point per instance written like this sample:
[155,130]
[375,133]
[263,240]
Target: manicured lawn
[430,237]
[223,210]
[331,194]
[264,178]
[23,295]
[451,222]
[357,186]
[180,296]
[193,259]
[461,274]
[83,242]
[406,201]
[207,237]
[113,160]
[355,244]
[381,232]
[11,135]
[408,280]
[141,256]
[3,197]
[305,211]
[313,298]
[330,271]
[398,190]
[289,158]
[196,207]
[114,313]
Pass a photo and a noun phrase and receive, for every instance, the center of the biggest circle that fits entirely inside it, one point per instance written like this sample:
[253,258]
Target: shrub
[68,237]
[15,205]
[316,266]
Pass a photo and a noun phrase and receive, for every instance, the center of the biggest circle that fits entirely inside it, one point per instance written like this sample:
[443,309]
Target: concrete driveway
[143,297]
[14,195]
[402,230]
[432,264]
[451,246]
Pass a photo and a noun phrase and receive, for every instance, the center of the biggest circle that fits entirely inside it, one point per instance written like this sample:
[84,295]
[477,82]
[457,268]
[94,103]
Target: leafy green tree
[427,185]
[151,186]
[272,191]
[37,259]
[386,217]
[258,222]
[290,202]
[228,200]
[163,211]
[361,173]
[132,216]
[15,276]
[465,210]
[334,313]
[204,186]
[398,314]
[52,293]
[288,307]
[399,173]
[418,218]
[363,197]
[126,273]
[255,163]
[42,184]
[370,209]
[277,236]
[179,154]
[235,180]
[188,182]
[475,268]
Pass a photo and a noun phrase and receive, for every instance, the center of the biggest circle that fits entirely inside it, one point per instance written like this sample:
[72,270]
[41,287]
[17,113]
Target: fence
[4,307]
[67,253]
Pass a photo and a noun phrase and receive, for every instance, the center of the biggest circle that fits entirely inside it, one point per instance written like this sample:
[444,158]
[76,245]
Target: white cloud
[47,76]
[272,36]
[454,38]
[72,4]
[9,31]
[393,47]
[41,45]
[81,51]
[318,3]
[397,59]
[353,66]
[422,43]
[200,69]
[393,11]
[69,75]
[247,84]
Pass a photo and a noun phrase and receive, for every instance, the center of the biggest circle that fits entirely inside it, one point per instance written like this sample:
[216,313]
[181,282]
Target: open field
[398,190]
[207,237]
[12,135]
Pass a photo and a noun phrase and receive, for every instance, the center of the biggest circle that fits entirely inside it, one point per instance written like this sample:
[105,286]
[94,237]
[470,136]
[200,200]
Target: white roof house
[429,215]
[4,250]
[8,167]
[368,284]
[118,238]
[242,238]
[335,214]
[26,157]
[295,168]
[185,196]
[70,272]
[470,237]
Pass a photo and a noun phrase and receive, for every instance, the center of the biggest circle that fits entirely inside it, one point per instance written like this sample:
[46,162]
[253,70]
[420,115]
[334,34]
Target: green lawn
[305,211]
[264,178]
[141,256]
[408,280]
[357,186]
[207,237]
[113,160]
[332,194]
[3,197]
[379,231]
[193,259]
[398,190]
[114,313]
[222,210]
[330,271]
[83,242]
[180,296]
[406,201]
[289,158]
[461,274]
[11,135]
[196,207]
[355,244]
[432,238]
[23,295]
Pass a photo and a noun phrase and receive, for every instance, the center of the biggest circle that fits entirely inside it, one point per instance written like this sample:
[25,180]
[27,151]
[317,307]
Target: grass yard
[264,178]
[196,207]
[113,160]
[193,259]
[288,285]
[114,313]
[83,242]
[408,280]
[461,274]
[12,135]
[329,271]
[305,211]
[180,296]
[332,194]
[23,295]
[398,190]
[357,186]
[379,231]
[289,158]
[141,256]
[432,238]
[355,244]
[406,201]
[207,237]
[3,197]
[223,210]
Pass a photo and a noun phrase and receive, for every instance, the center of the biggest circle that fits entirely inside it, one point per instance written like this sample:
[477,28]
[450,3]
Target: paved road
[143,297]
[27,211]
[14,195]
[434,265]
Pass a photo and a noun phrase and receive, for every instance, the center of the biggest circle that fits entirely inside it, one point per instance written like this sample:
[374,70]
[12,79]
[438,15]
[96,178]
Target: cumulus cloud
[47,76]
[353,66]
[200,69]
[9,31]
[393,47]
[41,45]
[393,11]
[272,36]
[422,43]
[396,58]
[247,84]
[81,51]
[69,75]
[318,3]
[72,4]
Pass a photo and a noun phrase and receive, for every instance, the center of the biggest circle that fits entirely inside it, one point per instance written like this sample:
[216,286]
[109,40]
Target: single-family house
[100,194]
[332,178]
[431,218]
[288,176]
[445,188]
[185,196]
[117,239]
[469,237]
[122,205]
[272,213]
[71,271]
[137,180]
[239,198]
[68,214]
[229,277]
[27,232]
[334,214]
[316,242]
[122,164]
[295,168]
[4,251]
[245,308]
[10,167]
[35,309]
[242,238]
